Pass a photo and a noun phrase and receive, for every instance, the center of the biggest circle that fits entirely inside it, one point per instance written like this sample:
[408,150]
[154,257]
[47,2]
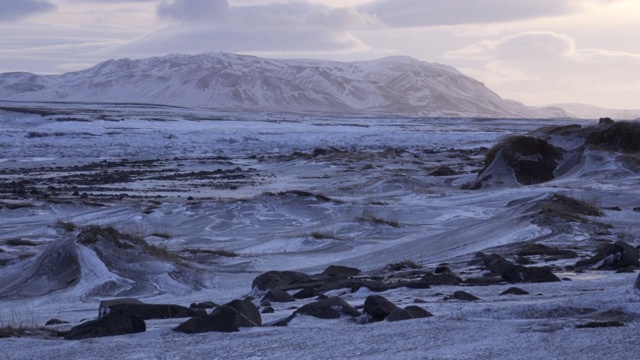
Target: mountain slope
[389,86]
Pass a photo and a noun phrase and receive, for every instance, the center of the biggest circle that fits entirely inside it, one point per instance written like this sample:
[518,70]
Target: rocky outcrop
[226,318]
[618,255]
[378,307]
[115,323]
[156,311]
[517,273]
[520,160]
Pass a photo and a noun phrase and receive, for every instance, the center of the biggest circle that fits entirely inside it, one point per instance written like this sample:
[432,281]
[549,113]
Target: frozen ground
[288,192]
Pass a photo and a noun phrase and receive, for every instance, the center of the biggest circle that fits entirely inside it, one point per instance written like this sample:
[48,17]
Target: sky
[535,51]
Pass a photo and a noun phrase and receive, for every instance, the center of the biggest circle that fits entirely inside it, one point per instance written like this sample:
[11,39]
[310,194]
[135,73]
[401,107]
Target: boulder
[156,311]
[277,279]
[105,305]
[523,274]
[417,312]
[341,271]
[306,293]
[464,296]
[514,291]
[378,307]
[638,282]
[275,296]
[408,313]
[248,309]
[268,310]
[203,305]
[223,319]
[118,322]
[331,308]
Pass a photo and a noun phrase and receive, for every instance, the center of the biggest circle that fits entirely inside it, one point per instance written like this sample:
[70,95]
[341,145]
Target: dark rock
[626,269]
[203,305]
[105,305]
[157,311]
[268,310]
[247,309]
[519,273]
[443,171]
[543,250]
[442,270]
[600,324]
[275,296]
[399,314]
[55,322]
[638,282]
[441,279]
[331,308]
[514,291]
[115,323]
[417,312]
[496,264]
[622,255]
[223,319]
[378,307]
[636,209]
[341,271]
[277,279]
[605,121]
[465,296]
[306,293]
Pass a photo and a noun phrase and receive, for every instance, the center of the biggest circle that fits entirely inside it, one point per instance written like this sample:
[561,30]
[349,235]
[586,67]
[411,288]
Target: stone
[341,271]
[277,279]
[514,291]
[417,312]
[277,296]
[156,311]
[464,296]
[331,308]
[248,309]
[306,293]
[223,319]
[55,322]
[203,305]
[268,310]
[378,307]
[118,322]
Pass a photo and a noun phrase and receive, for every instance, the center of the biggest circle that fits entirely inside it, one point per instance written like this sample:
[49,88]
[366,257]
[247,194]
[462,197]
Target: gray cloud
[193,10]
[18,9]
[415,13]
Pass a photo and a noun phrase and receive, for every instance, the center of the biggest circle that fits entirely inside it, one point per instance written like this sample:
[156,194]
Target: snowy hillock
[388,86]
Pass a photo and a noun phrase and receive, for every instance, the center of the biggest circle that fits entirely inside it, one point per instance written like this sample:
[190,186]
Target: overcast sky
[535,51]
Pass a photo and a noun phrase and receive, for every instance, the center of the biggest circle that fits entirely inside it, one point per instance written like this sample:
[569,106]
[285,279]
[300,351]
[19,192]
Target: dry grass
[369,218]
[324,235]
[22,331]
[21,242]
[571,209]
[217,252]
[94,233]
[67,226]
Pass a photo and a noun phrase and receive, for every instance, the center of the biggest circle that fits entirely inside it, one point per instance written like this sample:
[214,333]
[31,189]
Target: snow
[438,223]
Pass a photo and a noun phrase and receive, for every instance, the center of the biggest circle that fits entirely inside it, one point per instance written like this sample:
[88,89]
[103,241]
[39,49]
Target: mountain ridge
[397,85]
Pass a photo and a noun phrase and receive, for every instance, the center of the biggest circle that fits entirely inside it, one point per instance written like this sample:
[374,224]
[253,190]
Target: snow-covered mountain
[389,86]
[593,112]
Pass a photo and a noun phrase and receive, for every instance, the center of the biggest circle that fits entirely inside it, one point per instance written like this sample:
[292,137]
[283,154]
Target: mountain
[593,112]
[387,86]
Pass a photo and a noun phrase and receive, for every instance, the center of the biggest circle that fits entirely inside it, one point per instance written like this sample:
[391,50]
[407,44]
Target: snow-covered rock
[387,86]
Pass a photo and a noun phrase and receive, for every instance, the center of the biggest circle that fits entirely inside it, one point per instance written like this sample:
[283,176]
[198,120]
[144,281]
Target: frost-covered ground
[289,192]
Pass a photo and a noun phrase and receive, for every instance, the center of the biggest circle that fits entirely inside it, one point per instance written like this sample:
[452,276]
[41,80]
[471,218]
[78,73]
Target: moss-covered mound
[621,136]
[533,160]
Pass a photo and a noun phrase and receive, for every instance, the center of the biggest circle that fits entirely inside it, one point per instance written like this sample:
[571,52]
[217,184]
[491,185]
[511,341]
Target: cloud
[417,13]
[196,26]
[542,67]
[13,10]
[526,46]
[193,10]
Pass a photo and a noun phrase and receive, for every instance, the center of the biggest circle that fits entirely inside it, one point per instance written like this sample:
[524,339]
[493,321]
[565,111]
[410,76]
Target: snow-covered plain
[265,186]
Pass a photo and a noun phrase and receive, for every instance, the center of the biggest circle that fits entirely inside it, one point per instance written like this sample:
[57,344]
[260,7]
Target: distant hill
[387,86]
[593,112]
